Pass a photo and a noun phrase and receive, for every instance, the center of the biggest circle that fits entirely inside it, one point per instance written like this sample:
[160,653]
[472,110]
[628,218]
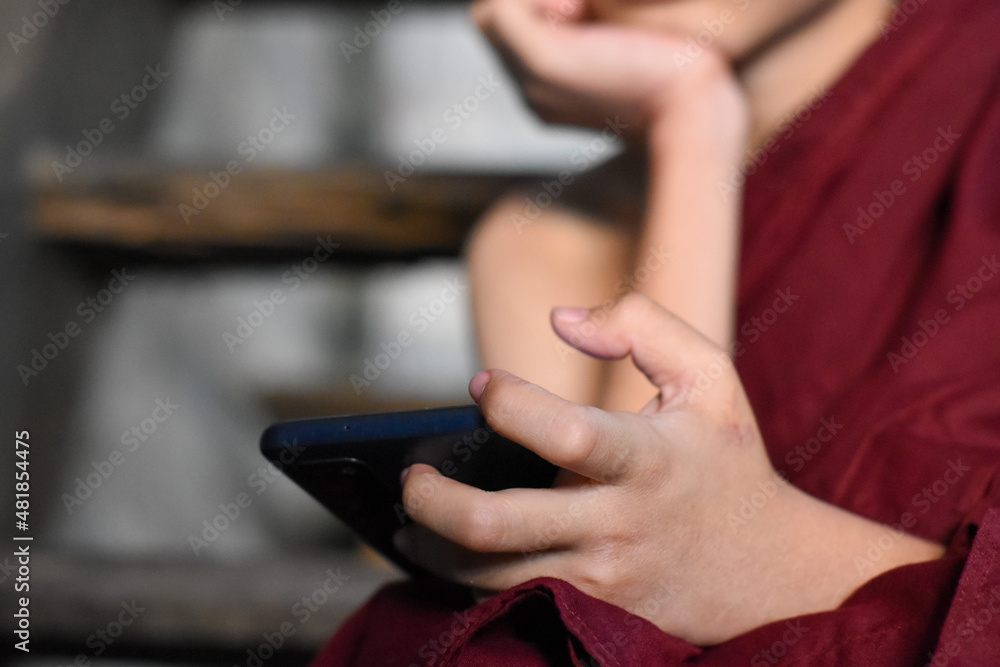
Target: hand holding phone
[352,464]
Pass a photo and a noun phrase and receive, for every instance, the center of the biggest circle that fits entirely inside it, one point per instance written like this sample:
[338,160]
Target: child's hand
[645,520]
[578,72]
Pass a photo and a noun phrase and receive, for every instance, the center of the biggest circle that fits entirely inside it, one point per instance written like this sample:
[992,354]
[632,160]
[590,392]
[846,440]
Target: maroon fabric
[875,378]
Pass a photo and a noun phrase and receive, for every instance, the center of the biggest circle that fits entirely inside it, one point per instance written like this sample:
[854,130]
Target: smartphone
[352,464]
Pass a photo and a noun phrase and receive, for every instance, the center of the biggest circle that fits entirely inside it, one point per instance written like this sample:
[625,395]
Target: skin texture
[653,464]
[657,81]
[747,25]
[645,504]
[693,120]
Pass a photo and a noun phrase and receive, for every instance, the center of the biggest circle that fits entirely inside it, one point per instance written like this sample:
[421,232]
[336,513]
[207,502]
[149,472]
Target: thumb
[668,351]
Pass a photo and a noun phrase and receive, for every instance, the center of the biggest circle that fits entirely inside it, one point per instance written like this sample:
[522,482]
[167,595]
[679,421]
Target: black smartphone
[352,464]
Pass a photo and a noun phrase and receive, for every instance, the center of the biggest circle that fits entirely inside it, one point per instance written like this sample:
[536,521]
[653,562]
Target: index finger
[591,442]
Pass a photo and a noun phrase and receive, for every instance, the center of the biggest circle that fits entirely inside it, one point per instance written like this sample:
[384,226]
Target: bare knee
[513,233]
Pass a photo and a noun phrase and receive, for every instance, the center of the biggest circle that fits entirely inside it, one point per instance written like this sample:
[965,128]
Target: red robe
[869,345]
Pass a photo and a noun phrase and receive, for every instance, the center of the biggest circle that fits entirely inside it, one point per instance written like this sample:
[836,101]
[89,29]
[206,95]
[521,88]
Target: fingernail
[477,384]
[403,475]
[570,314]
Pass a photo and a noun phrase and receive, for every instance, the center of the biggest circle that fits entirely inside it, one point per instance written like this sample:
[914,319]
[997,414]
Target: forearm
[686,255]
[693,148]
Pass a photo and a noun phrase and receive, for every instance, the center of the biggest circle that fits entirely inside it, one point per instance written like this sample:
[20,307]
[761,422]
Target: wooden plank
[428,213]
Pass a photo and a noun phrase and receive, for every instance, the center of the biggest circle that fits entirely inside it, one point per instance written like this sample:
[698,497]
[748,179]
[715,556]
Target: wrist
[820,555]
[704,115]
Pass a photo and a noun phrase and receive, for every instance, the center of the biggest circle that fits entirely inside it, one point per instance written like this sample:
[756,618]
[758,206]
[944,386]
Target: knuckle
[634,306]
[485,526]
[571,431]
[601,572]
